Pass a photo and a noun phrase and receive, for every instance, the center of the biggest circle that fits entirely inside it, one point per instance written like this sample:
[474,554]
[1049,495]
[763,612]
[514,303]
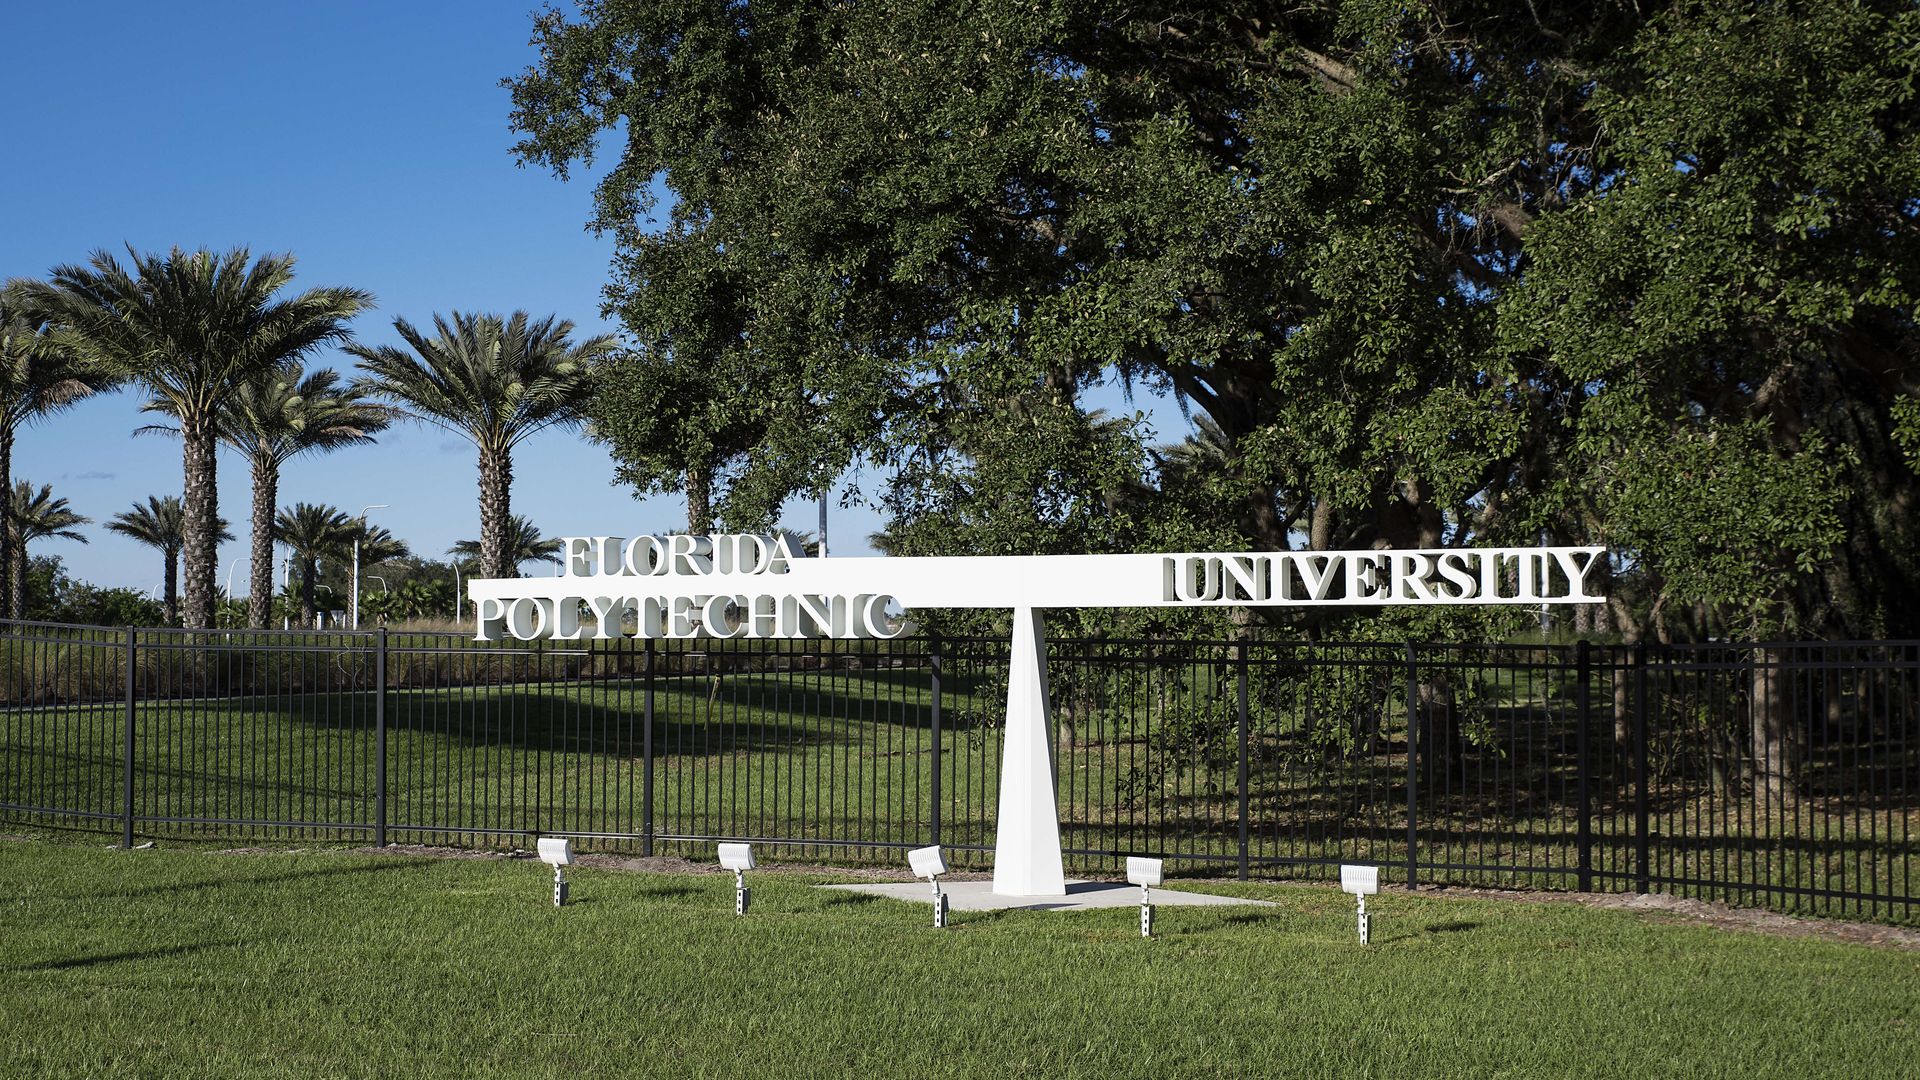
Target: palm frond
[37,514]
[524,544]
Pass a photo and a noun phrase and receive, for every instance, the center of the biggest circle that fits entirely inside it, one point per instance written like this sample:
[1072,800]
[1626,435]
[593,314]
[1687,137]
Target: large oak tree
[1432,273]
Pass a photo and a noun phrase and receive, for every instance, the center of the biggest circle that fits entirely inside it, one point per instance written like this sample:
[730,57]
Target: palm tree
[272,418]
[192,328]
[376,544]
[1207,450]
[806,545]
[382,607]
[34,516]
[158,525]
[37,378]
[311,533]
[523,545]
[418,599]
[493,382]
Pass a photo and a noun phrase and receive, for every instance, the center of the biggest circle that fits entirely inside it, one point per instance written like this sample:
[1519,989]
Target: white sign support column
[1026,846]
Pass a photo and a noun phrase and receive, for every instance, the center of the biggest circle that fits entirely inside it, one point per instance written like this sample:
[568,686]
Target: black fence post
[1583,780]
[126,772]
[380,738]
[1413,782]
[933,649]
[1642,860]
[1243,758]
[646,756]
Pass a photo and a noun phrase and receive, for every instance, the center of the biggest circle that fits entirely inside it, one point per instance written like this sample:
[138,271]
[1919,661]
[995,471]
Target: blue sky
[371,141]
[368,139]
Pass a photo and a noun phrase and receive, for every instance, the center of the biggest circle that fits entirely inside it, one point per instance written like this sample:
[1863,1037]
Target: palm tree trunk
[13,610]
[700,499]
[170,604]
[266,492]
[308,616]
[496,507]
[201,499]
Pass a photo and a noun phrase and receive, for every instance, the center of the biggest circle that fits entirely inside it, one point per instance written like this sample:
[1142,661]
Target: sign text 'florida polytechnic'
[749,586]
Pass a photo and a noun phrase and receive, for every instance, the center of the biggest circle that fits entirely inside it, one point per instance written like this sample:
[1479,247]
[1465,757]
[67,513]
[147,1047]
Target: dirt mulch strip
[1681,910]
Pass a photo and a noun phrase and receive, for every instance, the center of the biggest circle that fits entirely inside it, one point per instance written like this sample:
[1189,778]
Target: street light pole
[354,623]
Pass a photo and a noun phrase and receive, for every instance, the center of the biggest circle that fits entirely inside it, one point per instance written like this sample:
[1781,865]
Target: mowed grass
[183,963]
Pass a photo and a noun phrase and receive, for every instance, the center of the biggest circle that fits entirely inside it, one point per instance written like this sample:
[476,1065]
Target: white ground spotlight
[927,862]
[739,859]
[1145,873]
[1362,882]
[557,851]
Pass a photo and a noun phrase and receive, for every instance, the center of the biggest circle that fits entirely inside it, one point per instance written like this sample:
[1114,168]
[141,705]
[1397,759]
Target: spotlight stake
[927,862]
[556,851]
[1145,873]
[1362,882]
[739,859]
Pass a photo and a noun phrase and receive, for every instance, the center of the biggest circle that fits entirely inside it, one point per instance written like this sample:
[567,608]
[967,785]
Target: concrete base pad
[1081,896]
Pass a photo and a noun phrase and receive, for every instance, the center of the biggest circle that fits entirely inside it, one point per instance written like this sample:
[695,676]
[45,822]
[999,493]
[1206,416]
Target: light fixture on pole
[354,623]
[927,862]
[385,591]
[1362,882]
[557,851]
[739,859]
[1145,873]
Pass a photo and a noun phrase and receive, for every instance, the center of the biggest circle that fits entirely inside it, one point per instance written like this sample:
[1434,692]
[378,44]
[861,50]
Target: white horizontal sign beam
[676,586]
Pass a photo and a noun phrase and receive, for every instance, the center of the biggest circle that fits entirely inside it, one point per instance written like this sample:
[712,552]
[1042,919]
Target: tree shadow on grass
[381,867]
[1248,918]
[559,722]
[73,962]
[669,892]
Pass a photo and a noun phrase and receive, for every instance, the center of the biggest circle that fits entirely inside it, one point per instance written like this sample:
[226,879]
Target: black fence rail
[1784,774]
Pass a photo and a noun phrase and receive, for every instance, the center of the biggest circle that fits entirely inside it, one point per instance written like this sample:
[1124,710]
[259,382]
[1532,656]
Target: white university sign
[750,586]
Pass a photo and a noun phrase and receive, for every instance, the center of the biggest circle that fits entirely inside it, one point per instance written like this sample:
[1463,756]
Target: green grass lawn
[183,963]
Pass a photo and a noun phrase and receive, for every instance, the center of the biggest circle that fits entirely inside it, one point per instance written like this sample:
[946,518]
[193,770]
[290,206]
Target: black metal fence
[1784,775]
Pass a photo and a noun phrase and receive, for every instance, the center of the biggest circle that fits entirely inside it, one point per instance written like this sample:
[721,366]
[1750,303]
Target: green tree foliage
[494,382]
[193,329]
[311,533]
[37,378]
[35,515]
[271,418]
[54,596]
[1424,274]
[524,544]
[400,587]
[1739,300]
[159,523]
